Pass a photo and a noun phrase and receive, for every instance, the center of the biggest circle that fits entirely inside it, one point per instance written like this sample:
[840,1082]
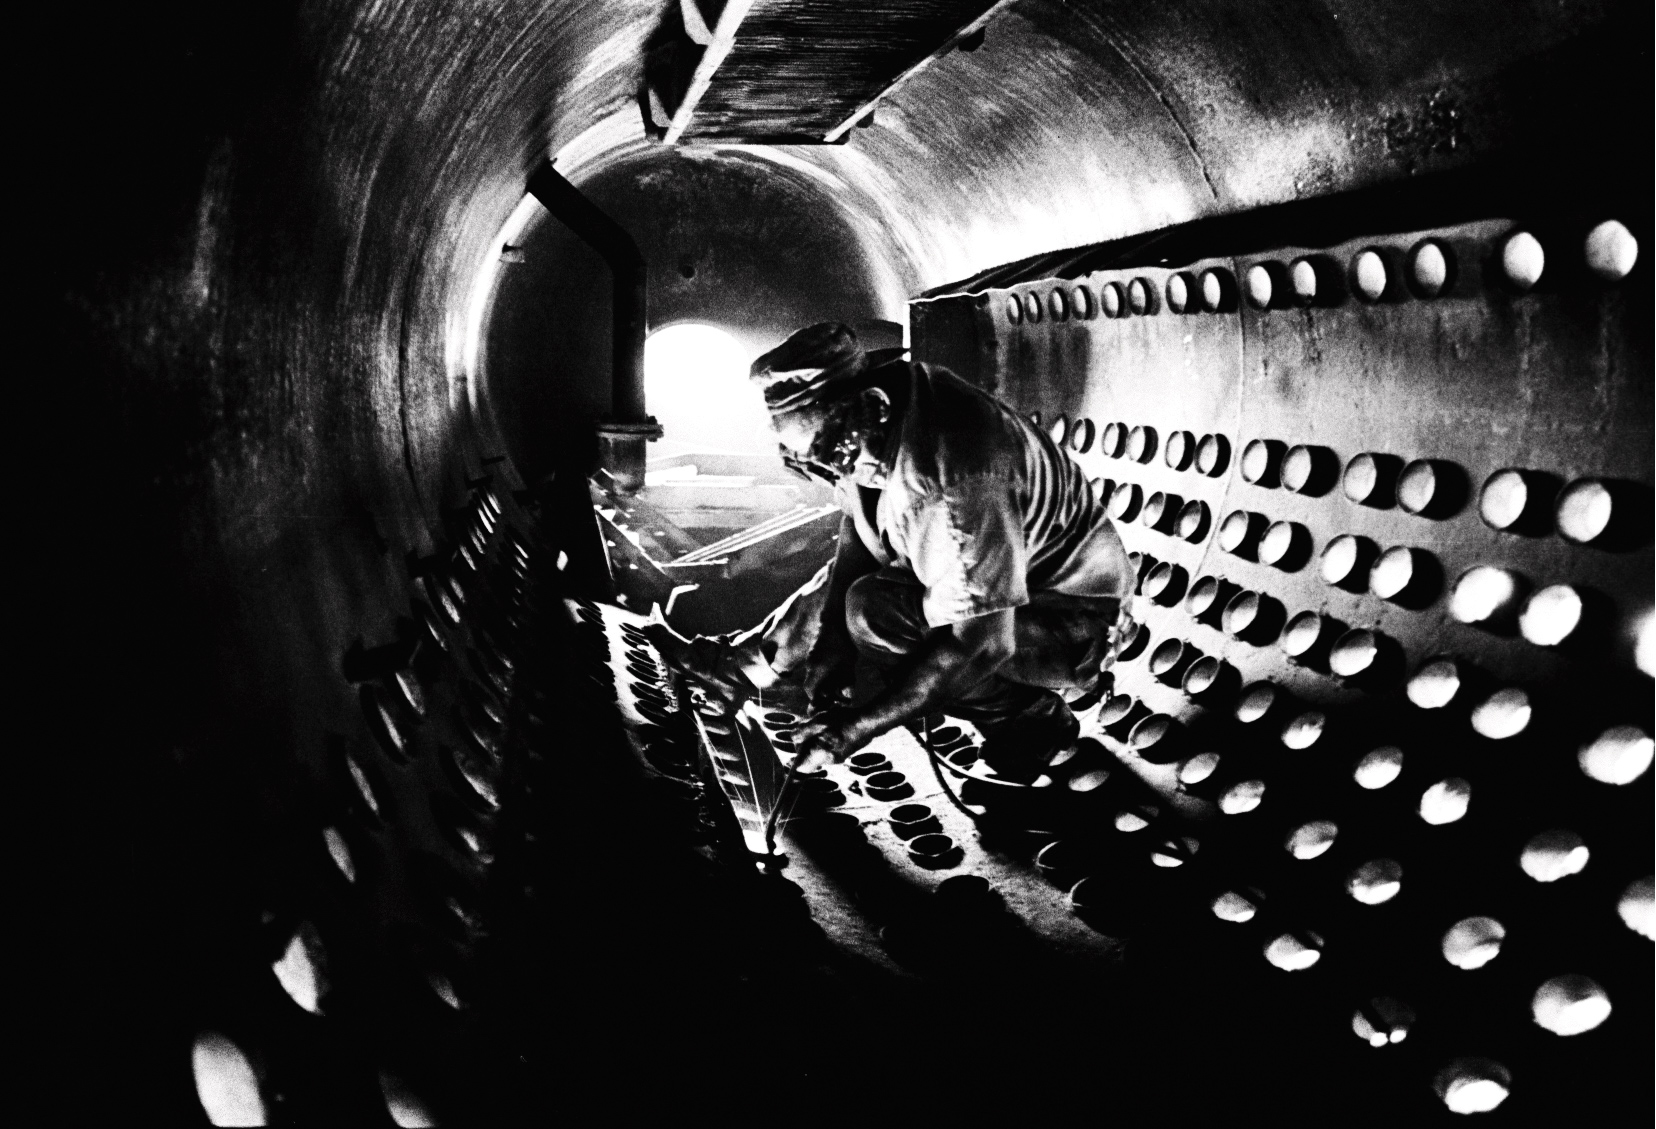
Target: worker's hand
[827,737]
[828,681]
[711,662]
[830,669]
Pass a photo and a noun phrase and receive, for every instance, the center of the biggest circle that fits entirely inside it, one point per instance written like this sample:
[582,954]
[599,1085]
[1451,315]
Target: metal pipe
[622,434]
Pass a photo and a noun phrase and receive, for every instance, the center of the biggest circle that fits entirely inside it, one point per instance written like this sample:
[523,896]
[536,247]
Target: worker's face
[835,437]
[797,431]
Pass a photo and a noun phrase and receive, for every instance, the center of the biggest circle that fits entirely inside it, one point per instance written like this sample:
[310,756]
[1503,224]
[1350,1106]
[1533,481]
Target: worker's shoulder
[955,430]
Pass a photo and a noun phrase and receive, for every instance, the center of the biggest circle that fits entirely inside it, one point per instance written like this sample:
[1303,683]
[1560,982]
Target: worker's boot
[1019,746]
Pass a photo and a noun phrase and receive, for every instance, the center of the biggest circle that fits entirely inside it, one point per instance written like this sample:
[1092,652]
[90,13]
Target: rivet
[225,1082]
[1213,455]
[1194,520]
[1134,643]
[1555,854]
[1370,478]
[1161,511]
[1112,300]
[1014,310]
[1141,296]
[1482,593]
[1369,276]
[1165,585]
[1260,287]
[1301,634]
[1089,781]
[1240,612]
[1418,486]
[1218,291]
[1353,653]
[1340,560]
[1256,702]
[1181,287]
[1234,530]
[1637,907]
[1242,797]
[1284,544]
[1375,882]
[1523,260]
[1429,267]
[1082,302]
[1435,684]
[1181,450]
[1309,470]
[1446,801]
[1303,274]
[1113,440]
[300,970]
[340,851]
[1551,615]
[1293,953]
[1130,821]
[1151,735]
[1312,840]
[1382,1022]
[1032,308]
[1170,654]
[1379,767]
[1058,305]
[1472,942]
[1262,461]
[1231,906]
[1203,675]
[1058,432]
[1611,250]
[1081,435]
[1141,444]
[1203,595]
[1126,501]
[1393,572]
[1570,1005]
[1305,730]
[1585,510]
[1619,755]
[1472,1085]
[1505,496]
[1116,708]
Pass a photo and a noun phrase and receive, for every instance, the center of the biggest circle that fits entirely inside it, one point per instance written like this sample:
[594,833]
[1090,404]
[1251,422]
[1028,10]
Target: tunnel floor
[868,981]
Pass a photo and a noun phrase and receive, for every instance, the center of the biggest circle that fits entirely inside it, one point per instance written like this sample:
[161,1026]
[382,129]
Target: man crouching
[976,571]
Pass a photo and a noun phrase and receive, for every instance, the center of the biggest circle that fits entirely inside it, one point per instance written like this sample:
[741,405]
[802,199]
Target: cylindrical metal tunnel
[1346,307]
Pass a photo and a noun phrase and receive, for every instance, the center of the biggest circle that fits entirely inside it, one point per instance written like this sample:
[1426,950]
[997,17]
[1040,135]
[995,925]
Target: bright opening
[695,382]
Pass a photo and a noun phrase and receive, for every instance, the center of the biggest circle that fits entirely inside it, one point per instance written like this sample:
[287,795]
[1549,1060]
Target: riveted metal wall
[1222,426]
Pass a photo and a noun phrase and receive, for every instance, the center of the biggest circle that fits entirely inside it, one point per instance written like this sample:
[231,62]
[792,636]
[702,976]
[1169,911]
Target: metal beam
[724,37]
[944,48]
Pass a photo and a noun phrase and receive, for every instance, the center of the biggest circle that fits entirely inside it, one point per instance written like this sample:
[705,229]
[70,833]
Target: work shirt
[984,509]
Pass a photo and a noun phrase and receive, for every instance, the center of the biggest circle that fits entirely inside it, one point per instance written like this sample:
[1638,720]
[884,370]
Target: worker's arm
[832,663]
[957,658]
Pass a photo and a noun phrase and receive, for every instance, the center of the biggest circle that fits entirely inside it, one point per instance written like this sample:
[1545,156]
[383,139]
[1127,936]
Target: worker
[976,572]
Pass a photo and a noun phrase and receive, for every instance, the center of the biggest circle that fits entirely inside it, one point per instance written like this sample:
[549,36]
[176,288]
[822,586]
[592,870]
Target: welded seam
[1189,138]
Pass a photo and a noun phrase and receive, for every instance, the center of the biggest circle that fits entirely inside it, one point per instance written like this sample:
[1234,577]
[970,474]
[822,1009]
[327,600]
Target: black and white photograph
[872,562]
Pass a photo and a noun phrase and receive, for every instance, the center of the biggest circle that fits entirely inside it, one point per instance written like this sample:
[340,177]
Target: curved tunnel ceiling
[265,331]
[1072,127]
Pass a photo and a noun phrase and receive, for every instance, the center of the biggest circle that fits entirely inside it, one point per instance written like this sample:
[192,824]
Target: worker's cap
[818,363]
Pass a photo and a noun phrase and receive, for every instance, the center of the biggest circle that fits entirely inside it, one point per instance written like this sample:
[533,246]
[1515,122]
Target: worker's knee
[884,616]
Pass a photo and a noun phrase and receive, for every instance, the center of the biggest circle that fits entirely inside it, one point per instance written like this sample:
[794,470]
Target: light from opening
[695,383]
